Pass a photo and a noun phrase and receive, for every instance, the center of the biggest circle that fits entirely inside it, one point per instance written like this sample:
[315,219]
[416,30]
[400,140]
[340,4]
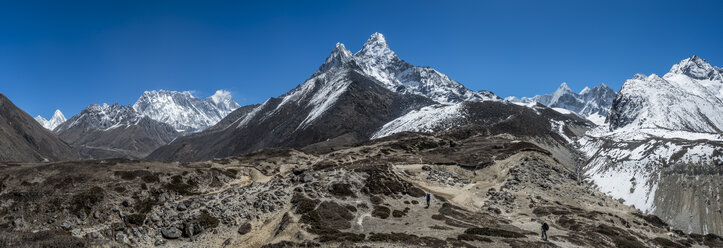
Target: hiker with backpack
[544,228]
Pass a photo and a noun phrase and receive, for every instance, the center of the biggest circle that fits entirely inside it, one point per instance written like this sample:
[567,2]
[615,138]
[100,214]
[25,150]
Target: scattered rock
[171,233]
[122,237]
[307,178]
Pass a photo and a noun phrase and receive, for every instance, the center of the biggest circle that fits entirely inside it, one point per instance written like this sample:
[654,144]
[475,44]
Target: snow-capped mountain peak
[564,87]
[378,61]
[561,91]
[376,53]
[183,111]
[341,50]
[585,90]
[55,121]
[338,57]
[694,67]
[103,117]
[376,44]
[688,98]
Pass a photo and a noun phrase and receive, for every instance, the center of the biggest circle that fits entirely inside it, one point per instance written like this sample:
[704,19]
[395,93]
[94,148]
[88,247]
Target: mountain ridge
[593,104]
[25,140]
[183,111]
[109,131]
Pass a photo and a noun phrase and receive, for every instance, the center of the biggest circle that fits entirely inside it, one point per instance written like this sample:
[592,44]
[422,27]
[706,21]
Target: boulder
[171,233]
[307,178]
[245,228]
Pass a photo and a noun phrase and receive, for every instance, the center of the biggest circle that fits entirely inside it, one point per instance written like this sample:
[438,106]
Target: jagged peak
[376,45]
[377,38]
[602,86]
[339,48]
[694,67]
[339,53]
[338,57]
[58,114]
[585,90]
[563,88]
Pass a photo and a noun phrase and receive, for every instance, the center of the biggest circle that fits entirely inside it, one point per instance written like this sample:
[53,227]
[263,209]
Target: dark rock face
[22,139]
[620,115]
[292,120]
[111,131]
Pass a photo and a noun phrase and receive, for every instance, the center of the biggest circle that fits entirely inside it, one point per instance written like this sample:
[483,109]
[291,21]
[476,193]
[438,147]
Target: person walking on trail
[428,197]
[544,228]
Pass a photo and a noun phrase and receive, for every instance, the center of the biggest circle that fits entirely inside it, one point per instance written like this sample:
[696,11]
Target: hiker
[428,197]
[544,228]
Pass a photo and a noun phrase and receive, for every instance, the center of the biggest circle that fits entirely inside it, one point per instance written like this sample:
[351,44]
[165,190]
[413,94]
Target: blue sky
[70,54]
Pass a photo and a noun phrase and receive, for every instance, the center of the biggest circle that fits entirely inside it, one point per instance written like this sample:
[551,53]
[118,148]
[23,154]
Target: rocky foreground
[488,191]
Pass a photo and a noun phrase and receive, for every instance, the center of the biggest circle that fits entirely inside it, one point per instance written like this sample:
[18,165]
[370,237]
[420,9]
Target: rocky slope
[23,139]
[55,121]
[592,104]
[183,111]
[663,147]
[107,131]
[490,187]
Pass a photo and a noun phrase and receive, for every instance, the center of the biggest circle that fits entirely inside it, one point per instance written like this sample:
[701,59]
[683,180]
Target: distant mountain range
[592,104]
[183,111]
[158,117]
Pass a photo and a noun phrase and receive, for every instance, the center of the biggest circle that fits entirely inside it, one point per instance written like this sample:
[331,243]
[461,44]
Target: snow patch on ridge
[324,98]
[427,119]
